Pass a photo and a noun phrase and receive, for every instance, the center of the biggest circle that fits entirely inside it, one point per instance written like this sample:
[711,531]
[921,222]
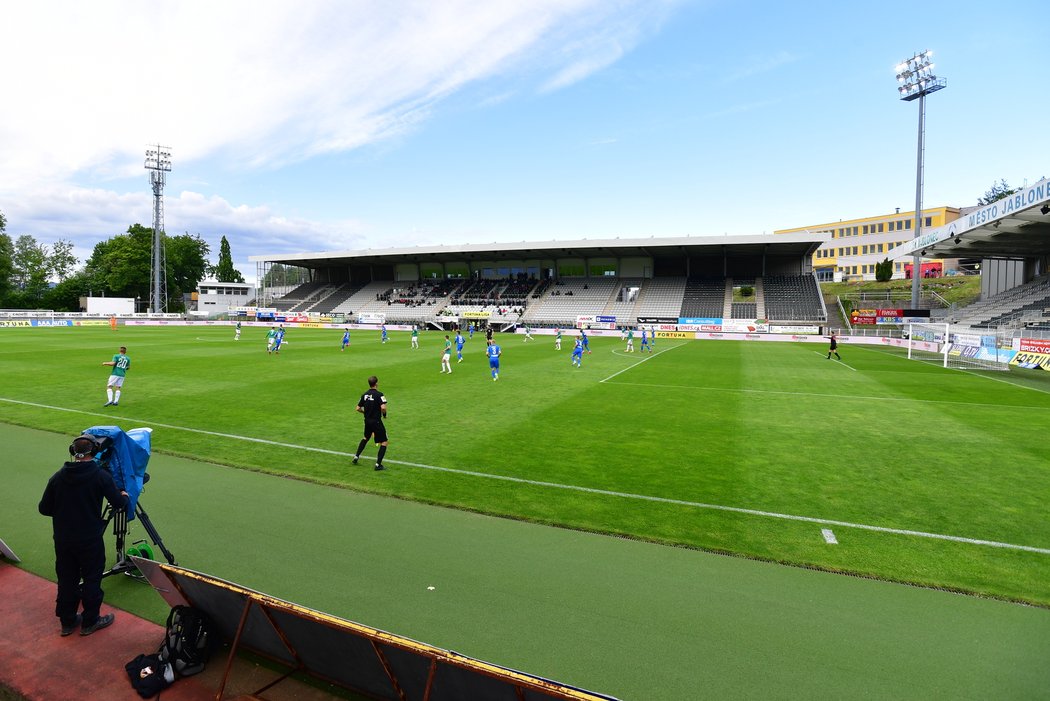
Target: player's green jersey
[630,335]
[415,333]
[120,365]
[272,333]
[448,346]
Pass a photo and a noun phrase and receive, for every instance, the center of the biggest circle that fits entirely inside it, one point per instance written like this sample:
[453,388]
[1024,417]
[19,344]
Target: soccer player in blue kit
[645,341]
[346,339]
[383,337]
[586,341]
[493,352]
[459,346]
[577,352]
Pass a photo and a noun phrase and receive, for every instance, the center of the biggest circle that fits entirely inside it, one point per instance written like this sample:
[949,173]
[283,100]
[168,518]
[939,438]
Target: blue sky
[312,126]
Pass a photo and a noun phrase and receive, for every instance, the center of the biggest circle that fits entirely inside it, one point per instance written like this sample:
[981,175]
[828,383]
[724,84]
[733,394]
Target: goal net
[963,349]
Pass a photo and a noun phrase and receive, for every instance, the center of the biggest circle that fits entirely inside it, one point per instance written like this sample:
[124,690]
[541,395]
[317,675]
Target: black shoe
[379,466]
[68,630]
[108,404]
[102,622]
[354,460]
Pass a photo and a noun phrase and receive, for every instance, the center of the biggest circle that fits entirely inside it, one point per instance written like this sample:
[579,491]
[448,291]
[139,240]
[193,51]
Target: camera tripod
[140,547]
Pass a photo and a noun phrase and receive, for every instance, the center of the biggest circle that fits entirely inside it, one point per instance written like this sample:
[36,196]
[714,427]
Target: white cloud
[255,86]
[85,217]
[267,83]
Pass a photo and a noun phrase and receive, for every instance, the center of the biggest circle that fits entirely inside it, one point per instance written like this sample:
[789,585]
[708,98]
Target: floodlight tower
[917,80]
[158,162]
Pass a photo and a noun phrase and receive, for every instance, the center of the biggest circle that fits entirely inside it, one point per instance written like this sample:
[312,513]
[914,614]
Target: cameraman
[73,500]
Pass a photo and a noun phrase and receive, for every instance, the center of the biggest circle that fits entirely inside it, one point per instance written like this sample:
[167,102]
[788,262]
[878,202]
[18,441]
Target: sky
[315,126]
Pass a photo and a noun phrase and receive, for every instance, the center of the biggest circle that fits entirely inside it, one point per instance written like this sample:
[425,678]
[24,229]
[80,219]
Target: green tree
[6,267]
[29,260]
[120,266]
[280,275]
[224,271]
[998,191]
[187,263]
[884,270]
[61,261]
[65,296]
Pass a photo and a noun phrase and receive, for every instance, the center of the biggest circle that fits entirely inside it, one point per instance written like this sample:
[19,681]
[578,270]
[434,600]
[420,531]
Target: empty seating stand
[792,298]
[704,298]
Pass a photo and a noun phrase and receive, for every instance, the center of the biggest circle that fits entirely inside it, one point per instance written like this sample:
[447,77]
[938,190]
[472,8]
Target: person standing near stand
[73,499]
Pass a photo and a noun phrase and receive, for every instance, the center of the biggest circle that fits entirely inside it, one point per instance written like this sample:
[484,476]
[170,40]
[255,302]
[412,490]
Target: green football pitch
[875,465]
[920,474]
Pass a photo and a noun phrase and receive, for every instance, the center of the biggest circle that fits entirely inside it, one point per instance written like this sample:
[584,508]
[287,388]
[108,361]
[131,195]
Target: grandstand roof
[802,244]
[1017,226]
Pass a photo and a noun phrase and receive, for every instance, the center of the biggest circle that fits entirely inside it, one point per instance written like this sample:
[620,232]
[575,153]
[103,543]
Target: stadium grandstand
[1011,238]
[555,283]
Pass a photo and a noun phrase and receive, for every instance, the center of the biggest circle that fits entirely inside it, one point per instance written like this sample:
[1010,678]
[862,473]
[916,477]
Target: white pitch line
[632,365]
[859,397]
[576,488]
[970,373]
[837,361]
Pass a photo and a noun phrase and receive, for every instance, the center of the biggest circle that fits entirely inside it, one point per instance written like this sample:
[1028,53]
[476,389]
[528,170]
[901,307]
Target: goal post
[961,348]
[929,343]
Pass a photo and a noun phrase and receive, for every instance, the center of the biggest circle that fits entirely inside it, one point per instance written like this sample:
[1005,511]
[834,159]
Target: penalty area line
[576,488]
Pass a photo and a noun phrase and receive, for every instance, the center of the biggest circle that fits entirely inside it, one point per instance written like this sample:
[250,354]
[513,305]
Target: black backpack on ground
[188,641]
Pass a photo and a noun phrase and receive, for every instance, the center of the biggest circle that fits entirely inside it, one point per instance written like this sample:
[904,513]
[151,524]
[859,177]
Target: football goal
[961,349]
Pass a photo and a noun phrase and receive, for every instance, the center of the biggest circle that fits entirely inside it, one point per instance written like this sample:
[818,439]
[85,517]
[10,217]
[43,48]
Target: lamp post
[158,162]
[917,80]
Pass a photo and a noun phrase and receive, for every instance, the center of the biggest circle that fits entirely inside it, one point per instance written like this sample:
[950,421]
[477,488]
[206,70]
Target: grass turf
[876,440]
[636,620]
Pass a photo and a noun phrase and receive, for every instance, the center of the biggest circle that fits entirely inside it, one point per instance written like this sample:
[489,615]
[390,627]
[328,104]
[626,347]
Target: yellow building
[856,245]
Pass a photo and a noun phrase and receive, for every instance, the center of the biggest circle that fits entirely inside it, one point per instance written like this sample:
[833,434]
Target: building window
[929,221]
[854,253]
[881,225]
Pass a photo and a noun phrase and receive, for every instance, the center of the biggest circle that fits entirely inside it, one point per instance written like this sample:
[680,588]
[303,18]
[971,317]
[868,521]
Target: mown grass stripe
[576,488]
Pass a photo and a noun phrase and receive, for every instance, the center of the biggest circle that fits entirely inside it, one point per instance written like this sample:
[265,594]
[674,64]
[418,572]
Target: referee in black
[373,405]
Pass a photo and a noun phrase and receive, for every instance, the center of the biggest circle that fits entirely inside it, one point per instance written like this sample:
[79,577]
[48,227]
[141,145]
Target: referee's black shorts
[377,429]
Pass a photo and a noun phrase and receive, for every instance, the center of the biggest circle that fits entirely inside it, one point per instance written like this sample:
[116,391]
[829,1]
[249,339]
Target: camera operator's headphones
[95,447]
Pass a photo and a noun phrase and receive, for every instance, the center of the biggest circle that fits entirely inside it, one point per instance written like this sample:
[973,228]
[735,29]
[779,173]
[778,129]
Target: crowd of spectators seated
[419,294]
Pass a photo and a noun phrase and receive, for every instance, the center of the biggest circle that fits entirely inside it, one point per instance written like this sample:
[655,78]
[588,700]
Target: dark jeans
[76,562]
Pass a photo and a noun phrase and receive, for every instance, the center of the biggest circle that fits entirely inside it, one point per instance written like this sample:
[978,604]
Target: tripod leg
[120,530]
[153,534]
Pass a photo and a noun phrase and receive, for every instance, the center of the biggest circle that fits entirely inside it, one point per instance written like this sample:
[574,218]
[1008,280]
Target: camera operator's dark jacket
[73,498]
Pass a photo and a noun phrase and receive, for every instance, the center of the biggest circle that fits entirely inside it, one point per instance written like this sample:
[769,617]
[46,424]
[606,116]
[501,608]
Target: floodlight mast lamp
[158,162]
[917,80]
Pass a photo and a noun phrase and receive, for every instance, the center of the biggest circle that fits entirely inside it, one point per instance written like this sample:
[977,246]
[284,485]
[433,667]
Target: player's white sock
[116,397]
[109,394]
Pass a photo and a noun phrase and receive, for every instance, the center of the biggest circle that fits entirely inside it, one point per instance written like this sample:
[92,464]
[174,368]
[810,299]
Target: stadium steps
[727,304]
